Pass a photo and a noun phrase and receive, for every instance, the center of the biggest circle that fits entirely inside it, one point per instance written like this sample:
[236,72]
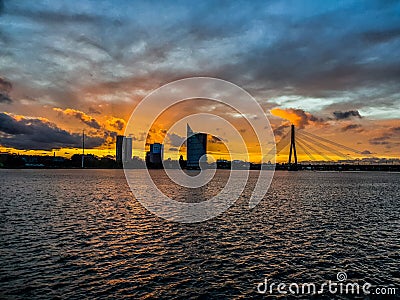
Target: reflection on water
[80,233]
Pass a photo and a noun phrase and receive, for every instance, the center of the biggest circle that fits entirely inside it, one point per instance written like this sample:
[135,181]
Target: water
[80,234]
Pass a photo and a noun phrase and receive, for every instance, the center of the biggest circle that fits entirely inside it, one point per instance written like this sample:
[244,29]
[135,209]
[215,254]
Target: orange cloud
[298,117]
[88,120]
[116,123]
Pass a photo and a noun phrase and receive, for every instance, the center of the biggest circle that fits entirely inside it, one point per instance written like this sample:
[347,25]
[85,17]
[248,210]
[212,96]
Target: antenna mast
[83,148]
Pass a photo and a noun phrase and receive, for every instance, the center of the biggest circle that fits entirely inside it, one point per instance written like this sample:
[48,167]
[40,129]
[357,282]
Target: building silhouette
[154,157]
[118,149]
[196,147]
[127,149]
[123,149]
[182,162]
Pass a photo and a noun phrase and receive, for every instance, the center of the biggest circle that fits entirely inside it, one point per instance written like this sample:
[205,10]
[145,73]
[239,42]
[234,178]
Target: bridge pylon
[292,166]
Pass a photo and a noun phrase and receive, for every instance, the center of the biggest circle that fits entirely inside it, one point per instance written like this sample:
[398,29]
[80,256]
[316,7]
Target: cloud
[255,45]
[116,123]
[39,134]
[366,152]
[88,120]
[83,57]
[351,127]
[93,110]
[341,115]
[298,117]
[5,98]
[176,140]
[382,140]
[395,129]
[390,137]
[381,36]
[5,88]
[215,140]
[280,130]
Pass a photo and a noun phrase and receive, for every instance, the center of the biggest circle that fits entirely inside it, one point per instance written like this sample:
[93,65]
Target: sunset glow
[86,79]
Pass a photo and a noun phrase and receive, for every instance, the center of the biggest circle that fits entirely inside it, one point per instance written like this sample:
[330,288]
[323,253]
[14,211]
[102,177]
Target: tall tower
[83,149]
[292,148]
[126,149]
[154,157]
[118,149]
[196,147]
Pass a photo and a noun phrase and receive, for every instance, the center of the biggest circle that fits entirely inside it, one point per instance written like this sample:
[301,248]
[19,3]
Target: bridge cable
[282,144]
[315,150]
[331,142]
[302,147]
[328,148]
[284,141]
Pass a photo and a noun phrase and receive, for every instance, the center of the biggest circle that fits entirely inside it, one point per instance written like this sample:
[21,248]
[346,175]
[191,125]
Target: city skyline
[199,149]
[330,70]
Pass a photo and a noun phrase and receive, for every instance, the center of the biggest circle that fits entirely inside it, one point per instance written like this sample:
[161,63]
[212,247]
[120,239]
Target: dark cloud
[175,139]
[246,43]
[93,110]
[118,124]
[88,120]
[280,130]
[375,36]
[173,149]
[366,152]
[396,129]
[92,123]
[51,16]
[351,127]
[336,50]
[390,138]
[5,85]
[37,134]
[215,140]
[329,63]
[341,115]
[140,137]
[5,89]
[9,125]
[5,98]
[373,99]
[382,140]
[111,134]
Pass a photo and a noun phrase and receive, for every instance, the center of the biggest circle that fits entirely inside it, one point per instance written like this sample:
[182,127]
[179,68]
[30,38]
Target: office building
[127,149]
[118,148]
[196,147]
[123,151]
[154,157]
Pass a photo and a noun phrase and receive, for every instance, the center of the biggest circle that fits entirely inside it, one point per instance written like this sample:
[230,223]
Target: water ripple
[80,234]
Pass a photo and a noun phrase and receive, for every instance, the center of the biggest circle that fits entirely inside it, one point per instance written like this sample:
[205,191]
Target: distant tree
[14,161]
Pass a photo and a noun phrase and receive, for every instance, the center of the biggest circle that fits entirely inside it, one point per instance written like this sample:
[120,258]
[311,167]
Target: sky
[332,68]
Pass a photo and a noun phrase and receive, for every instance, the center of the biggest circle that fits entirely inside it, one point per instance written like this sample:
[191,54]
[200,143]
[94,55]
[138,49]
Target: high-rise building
[123,151]
[118,148]
[127,149]
[196,147]
[154,157]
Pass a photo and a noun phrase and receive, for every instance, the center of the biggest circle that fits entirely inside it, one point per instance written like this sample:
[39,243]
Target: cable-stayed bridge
[313,149]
